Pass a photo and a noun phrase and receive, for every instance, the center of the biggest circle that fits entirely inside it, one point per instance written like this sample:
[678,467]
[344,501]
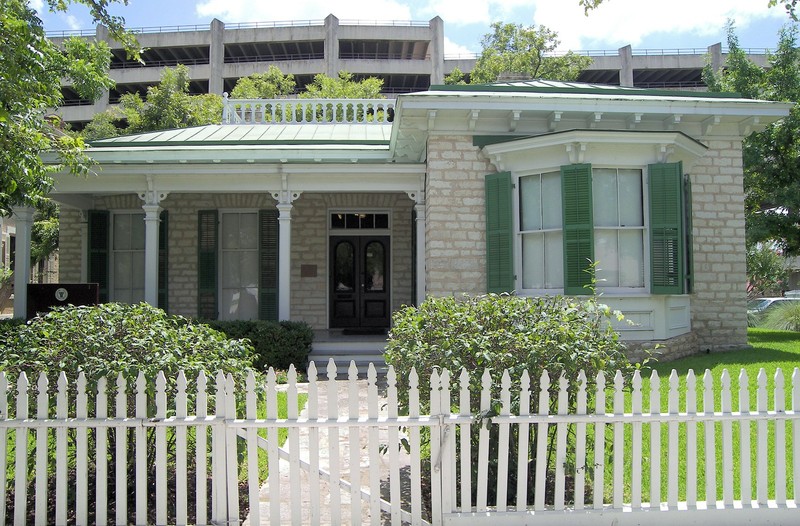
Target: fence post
[436,450]
[219,482]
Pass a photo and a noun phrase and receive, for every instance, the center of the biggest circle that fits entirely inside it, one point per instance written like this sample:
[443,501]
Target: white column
[23,216]
[284,259]
[151,221]
[419,208]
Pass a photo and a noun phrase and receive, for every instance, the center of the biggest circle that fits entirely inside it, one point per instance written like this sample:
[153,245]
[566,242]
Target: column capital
[285,197]
[152,197]
[23,213]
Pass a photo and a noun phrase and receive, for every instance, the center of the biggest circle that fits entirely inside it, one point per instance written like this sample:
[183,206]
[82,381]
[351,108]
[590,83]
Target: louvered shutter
[207,241]
[576,195]
[98,250]
[163,260]
[687,237]
[667,245]
[268,264]
[499,233]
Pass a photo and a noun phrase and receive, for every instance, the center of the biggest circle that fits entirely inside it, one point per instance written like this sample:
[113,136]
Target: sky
[644,24]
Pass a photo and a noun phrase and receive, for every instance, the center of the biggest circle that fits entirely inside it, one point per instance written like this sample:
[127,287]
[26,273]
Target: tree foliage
[455,77]
[789,5]
[268,85]
[525,51]
[166,105]
[771,157]
[767,274]
[344,86]
[31,71]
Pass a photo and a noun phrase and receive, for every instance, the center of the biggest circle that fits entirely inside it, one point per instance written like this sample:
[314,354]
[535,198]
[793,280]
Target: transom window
[359,221]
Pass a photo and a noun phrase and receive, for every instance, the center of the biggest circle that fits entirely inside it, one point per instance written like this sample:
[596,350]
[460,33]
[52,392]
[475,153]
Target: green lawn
[770,350]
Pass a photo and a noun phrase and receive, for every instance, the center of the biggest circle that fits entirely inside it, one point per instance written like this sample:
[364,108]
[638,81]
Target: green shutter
[268,264]
[687,214]
[98,250]
[499,233]
[207,234]
[576,196]
[163,260]
[667,243]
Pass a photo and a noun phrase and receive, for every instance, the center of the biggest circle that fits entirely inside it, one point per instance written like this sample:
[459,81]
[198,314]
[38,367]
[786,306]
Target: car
[761,306]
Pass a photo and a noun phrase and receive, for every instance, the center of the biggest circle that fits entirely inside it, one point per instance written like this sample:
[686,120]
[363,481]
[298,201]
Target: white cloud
[249,11]
[624,22]
[73,22]
[37,5]
[452,49]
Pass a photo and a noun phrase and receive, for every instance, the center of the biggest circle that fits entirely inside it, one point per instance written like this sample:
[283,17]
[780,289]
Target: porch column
[284,259]
[23,216]
[419,209]
[152,210]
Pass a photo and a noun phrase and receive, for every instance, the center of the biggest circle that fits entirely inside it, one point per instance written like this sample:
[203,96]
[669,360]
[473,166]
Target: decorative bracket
[710,123]
[672,121]
[431,119]
[633,120]
[593,119]
[417,196]
[553,120]
[284,195]
[473,119]
[747,126]
[576,152]
[514,120]
[663,152]
[152,196]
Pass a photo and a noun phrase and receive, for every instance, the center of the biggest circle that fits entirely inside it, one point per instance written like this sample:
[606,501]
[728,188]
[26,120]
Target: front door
[359,282]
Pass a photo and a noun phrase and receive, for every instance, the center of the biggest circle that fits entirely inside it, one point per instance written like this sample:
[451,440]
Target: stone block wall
[70,250]
[455,216]
[719,299]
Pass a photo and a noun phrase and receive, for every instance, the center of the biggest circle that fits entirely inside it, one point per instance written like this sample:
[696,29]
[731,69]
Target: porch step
[343,352]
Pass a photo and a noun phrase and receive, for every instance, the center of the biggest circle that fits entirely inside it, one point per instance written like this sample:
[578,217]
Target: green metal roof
[257,134]
[552,86]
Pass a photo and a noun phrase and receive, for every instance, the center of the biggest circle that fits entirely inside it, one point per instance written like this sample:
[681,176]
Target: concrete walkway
[322,447]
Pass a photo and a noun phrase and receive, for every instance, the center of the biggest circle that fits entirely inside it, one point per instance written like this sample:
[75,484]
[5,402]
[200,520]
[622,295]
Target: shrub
[784,317]
[112,338]
[276,344]
[502,332]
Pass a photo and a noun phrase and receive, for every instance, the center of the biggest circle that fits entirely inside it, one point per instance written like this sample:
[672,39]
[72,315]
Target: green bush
[276,344]
[113,338]
[502,332]
[784,317]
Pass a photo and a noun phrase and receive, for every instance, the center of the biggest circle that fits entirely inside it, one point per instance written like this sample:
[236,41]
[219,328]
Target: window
[540,219]
[584,214]
[239,258]
[127,255]
[618,227]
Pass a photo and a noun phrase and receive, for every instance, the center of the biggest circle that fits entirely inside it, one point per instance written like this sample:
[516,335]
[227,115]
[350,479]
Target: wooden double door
[359,282]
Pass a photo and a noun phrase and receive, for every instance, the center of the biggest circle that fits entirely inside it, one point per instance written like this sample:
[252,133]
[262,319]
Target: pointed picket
[141,451]
[449,458]
[62,413]
[483,443]
[373,447]
[101,453]
[313,452]
[710,441]
[541,443]
[121,451]
[436,446]
[502,446]
[231,461]
[3,443]
[464,410]
[294,444]
[691,440]
[21,455]
[745,467]
[42,453]
[655,442]
[673,452]
[779,396]
[332,408]
[580,443]
[81,455]
[636,442]
[762,444]
[619,439]
[599,442]
[353,435]
[273,458]
[524,439]
[253,479]
[727,441]
[394,445]
[795,434]
[416,474]
[160,465]
[181,461]
[201,449]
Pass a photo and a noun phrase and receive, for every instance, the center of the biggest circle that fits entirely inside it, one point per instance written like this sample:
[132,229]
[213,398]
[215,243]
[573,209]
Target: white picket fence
[341,461]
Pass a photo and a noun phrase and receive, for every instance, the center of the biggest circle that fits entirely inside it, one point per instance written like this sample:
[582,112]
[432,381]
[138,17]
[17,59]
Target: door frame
[377,232]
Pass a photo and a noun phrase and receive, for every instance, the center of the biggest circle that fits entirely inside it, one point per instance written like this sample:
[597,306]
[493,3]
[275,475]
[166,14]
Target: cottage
[339,212]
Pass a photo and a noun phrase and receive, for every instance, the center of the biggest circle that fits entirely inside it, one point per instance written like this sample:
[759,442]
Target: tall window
[541,231]
[128,257]
[618,227]
[239,277]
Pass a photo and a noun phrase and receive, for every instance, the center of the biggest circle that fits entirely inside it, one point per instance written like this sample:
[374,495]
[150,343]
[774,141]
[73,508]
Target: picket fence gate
[170,455]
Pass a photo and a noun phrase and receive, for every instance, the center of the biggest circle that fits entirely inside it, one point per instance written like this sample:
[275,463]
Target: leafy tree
[455,77]
[44,235]
[268,85]
[515,49]
[167,105]
[31,71]
[789,5]
[343,87]
[767,274]
[771,167]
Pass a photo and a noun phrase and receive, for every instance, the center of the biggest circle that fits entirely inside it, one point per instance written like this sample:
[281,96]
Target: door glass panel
[344,267]
[374,265]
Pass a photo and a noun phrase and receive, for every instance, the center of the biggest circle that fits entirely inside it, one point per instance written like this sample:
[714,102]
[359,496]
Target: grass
[770,351]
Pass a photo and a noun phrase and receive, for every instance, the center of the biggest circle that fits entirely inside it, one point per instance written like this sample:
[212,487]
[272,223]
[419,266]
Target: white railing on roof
[307,111]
